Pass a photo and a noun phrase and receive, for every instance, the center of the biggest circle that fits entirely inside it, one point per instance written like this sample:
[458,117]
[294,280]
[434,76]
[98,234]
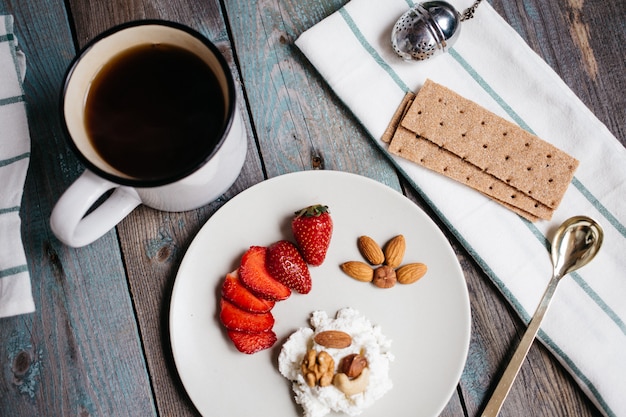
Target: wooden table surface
[98,342]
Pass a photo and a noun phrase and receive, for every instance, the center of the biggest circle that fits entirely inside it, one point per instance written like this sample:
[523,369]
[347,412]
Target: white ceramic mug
[199,184]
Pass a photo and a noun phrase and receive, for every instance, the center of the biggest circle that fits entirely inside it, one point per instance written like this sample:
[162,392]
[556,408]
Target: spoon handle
[506,381]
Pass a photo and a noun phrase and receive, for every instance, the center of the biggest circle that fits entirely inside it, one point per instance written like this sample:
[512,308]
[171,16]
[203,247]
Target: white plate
[428,322]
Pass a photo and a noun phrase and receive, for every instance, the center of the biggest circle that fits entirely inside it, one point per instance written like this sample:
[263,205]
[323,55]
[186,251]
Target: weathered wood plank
[298,121]
[154,242]
[80,352]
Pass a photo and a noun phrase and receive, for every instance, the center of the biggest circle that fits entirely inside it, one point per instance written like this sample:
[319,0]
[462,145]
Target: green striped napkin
[492,65]
[15,288]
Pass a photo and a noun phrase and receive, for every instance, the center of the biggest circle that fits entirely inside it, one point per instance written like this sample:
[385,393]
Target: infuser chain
[469,12]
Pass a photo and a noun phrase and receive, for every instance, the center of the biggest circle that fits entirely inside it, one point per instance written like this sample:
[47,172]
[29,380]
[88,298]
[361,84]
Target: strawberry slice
[254,275]
[252,342]
[234,318]
[313,228]
[234,291]
[286,265]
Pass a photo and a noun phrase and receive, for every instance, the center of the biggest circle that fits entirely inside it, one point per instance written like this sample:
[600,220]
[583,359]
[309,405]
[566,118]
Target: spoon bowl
[574,245]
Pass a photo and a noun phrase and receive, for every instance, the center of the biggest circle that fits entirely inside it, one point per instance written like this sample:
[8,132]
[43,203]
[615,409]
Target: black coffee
[154,112]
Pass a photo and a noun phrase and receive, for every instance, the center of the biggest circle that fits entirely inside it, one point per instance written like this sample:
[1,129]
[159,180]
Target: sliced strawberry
[313,227]
[234,291]
[254,275]
[286,265]
[234,318]
[252,342]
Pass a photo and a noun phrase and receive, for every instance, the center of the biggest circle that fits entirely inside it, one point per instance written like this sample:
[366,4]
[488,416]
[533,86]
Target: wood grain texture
[154,242]
[98,343]
[298,121]
[81,345]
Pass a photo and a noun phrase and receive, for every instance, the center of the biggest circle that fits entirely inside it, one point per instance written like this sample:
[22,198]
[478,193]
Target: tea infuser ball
[428,29]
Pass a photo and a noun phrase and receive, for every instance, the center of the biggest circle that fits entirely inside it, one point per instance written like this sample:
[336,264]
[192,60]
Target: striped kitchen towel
[493,66]
[15,287]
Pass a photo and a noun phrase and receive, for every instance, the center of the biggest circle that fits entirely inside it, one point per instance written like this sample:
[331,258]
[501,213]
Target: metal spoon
[575,244]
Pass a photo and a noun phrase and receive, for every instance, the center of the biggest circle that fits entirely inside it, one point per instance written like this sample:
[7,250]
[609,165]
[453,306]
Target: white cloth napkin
[491,65]
[15,287]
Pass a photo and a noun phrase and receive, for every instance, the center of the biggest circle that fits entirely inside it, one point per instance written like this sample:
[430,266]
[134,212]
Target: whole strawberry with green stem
[313,228]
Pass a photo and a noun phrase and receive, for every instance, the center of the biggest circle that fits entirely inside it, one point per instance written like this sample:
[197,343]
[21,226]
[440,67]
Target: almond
[409,273]
[370,250]
[358,270]
[333,339]
[394,251]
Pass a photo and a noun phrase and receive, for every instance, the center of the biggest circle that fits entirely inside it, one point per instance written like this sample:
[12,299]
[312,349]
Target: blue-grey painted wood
[298,121]
[154,242]
[98,343]
[80,353]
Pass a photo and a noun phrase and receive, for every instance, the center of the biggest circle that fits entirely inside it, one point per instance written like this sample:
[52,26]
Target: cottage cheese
[367,339]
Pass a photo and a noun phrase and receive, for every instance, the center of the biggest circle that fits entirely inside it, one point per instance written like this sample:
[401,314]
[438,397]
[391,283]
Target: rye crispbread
[456,137]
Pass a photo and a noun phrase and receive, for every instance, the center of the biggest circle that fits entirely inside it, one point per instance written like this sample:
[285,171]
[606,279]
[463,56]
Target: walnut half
[318,368]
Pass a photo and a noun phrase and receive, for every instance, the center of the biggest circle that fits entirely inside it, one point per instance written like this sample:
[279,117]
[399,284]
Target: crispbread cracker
[424,152]
[531,218]
[398,116]
[494,145]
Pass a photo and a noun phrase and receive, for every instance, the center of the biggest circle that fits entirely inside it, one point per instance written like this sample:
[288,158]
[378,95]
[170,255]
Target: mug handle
[68,221]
